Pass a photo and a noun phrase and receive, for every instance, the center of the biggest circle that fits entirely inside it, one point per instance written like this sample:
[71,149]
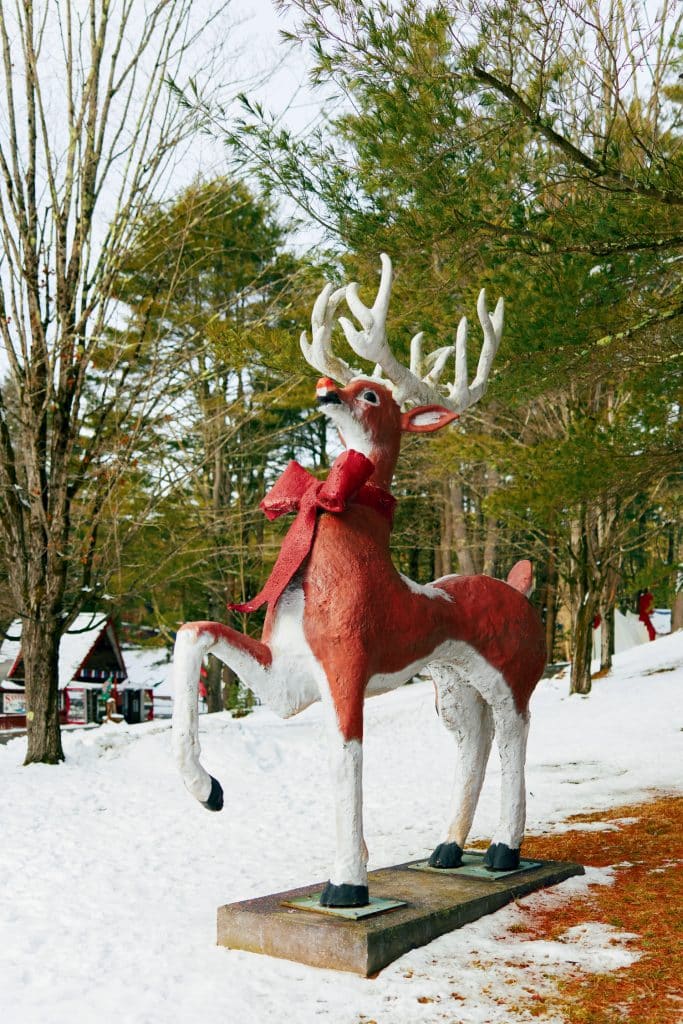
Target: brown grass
[645,899]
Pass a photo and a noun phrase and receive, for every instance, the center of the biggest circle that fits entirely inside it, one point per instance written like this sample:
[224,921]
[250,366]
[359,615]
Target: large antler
[409,384]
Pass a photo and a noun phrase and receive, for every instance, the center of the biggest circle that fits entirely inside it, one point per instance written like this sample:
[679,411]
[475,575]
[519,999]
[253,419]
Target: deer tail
[521,577]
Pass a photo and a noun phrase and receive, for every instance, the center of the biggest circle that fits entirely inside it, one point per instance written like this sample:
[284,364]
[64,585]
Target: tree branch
[596,168]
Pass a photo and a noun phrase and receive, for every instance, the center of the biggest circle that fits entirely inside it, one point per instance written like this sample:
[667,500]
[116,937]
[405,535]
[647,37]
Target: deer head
[367,410]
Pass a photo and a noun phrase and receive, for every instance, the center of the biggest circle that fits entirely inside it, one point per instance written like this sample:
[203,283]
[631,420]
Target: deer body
[348,625]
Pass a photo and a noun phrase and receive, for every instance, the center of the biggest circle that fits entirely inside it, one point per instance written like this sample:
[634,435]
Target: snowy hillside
[112,873]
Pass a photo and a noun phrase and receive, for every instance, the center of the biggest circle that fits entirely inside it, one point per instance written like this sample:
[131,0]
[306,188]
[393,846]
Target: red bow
[298,491]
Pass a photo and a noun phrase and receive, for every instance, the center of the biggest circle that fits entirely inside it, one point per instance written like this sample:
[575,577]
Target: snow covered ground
[112,873]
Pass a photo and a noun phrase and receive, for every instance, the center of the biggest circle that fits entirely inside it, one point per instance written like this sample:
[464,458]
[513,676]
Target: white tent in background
[629,631]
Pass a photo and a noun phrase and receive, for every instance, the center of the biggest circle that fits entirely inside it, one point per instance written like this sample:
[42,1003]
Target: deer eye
[370,396]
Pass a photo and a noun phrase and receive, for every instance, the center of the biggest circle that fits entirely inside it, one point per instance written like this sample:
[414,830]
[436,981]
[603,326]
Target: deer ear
[424,419]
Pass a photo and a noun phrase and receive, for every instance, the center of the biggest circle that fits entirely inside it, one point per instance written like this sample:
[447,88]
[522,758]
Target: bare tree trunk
[607,625]
[491,526]
[585,603]
[490,546]
[583,645]
[214,697]
[438,572]
[462,542]
[677,612]
[446,532]
[677,606]
[40,653]
[607,639]
[550,600]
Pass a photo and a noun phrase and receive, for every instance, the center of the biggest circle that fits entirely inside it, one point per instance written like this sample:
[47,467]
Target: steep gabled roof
[149,668]
[74,646]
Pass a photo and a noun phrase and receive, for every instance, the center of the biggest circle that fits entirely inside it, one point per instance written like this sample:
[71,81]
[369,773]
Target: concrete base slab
[431,903]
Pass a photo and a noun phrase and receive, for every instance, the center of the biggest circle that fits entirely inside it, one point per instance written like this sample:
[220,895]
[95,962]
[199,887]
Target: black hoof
[446,855]
[500,857]
[214,802]
[344,896]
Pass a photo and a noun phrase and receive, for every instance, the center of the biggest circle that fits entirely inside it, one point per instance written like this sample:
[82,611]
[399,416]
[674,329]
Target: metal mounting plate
[312,903]
[472,867]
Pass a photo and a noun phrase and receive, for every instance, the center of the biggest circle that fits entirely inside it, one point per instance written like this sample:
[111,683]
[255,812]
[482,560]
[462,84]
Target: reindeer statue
[343,624]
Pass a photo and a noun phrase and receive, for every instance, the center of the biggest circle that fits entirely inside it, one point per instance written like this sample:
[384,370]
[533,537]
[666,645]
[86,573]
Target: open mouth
[330,398]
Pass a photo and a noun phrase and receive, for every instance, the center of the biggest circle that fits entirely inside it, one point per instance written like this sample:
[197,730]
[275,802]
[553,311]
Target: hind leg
[512,728]
[468,718]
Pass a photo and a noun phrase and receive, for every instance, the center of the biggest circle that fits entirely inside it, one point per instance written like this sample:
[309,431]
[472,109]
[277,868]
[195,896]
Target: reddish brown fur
[382,422]
[361,619]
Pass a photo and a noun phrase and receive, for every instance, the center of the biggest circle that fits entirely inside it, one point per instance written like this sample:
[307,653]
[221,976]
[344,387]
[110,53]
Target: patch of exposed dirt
[646,853]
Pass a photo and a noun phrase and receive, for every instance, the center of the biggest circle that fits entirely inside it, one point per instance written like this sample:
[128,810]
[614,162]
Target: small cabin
[91,670]
[151,667]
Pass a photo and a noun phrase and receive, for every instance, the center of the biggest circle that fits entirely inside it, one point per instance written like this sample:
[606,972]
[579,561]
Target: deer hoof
[500,857]
[344,895]
[446,855]
[214,801]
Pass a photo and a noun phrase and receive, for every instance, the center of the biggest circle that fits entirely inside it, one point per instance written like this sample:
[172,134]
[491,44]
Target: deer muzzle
[326,392]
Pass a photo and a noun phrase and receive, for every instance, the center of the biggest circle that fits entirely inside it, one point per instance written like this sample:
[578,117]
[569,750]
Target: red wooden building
[91,668]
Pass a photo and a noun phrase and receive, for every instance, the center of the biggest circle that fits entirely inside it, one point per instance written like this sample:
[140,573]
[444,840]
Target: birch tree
[89,134]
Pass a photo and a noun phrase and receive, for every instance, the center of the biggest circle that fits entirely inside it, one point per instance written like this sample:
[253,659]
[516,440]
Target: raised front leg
[282,682]
[348,884]
[249,658]
[469,719]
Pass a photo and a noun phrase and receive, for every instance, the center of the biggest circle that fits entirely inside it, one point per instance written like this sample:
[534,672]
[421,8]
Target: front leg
[249,658]
[348,885]
[281,682]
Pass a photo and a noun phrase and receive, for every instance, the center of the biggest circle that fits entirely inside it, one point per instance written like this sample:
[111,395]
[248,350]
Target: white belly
[294,671]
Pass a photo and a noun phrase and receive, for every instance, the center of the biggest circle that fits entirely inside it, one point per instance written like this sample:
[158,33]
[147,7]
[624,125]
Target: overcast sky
[269,71]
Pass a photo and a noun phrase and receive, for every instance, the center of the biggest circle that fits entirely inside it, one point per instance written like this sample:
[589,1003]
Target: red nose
[325,384]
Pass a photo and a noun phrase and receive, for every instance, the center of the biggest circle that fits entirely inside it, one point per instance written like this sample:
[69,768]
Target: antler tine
[318,353]
[436,361]
[416,354]
[460,393]
[492,327]
[371,343]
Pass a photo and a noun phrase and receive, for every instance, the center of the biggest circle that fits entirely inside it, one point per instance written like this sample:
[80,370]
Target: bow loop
[286,493]
[299,491]
[348,474]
